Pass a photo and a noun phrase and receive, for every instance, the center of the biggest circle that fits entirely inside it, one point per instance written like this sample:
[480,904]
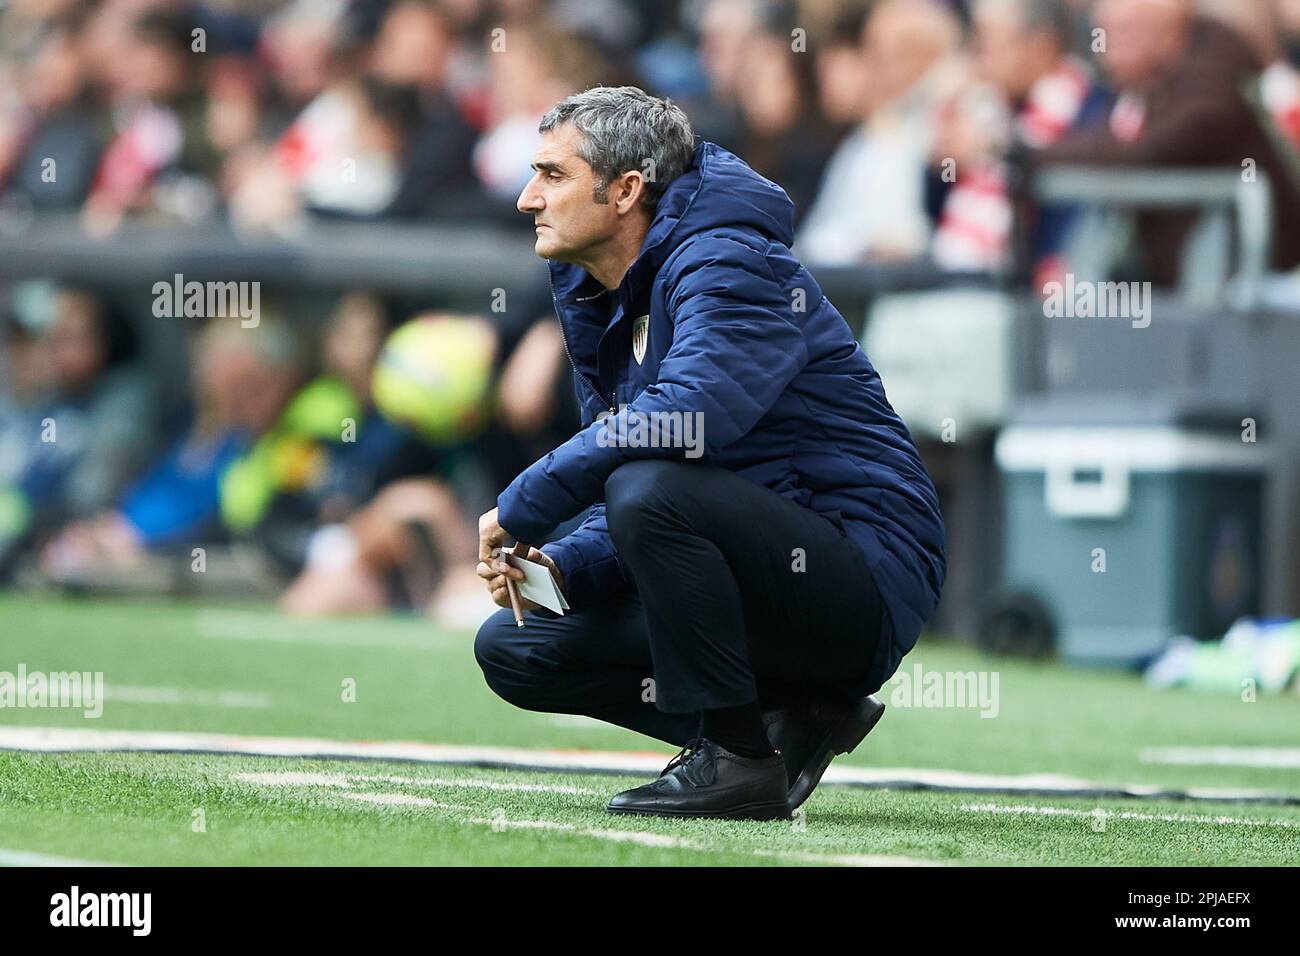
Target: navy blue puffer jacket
[739,331]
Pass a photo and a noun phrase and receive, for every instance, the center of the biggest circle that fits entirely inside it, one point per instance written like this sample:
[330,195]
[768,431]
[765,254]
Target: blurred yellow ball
[433,376]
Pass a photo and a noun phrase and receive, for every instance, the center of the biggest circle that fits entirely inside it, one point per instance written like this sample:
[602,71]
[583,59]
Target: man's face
[1143,38]
[900,43]
[412,47]
[1288,17]
[561,199]
[1001,44]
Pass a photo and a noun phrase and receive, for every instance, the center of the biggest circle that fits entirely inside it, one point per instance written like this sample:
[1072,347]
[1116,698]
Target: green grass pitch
[241,670]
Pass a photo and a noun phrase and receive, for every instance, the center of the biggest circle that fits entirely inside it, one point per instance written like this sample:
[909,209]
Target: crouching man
[739,595]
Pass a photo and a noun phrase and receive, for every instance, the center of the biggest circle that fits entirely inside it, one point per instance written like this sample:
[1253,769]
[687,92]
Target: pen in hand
[520,551]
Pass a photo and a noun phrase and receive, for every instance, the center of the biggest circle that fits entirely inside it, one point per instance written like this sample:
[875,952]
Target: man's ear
[627,191]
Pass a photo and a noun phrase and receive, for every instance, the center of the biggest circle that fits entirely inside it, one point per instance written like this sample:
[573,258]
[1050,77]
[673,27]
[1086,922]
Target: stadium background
[356,162]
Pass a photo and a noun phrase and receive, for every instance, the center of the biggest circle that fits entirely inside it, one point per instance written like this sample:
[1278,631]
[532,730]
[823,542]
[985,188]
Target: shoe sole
[842,739]
[749,811]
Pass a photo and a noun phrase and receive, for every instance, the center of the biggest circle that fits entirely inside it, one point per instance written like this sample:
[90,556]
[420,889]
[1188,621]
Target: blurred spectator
[1272,30]
[154,92]
[411,546]
[841,72]
[783,136]
[526,394]
[1021,49]
[825,19]
[263,458]
[50,144]
[668,61]
[536,408]
[1180,78]
[410,543]
[100,404]
[379,451]
[84,431]
[234,109]
[25,364]
[724,28]
[538,67]
[871,205]
[240,377]
[327,452]
[435,169]
[300,45]
[386,139]
[340,156]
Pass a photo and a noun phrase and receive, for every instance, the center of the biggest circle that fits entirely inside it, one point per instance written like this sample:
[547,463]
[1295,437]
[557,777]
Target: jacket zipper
[613,406]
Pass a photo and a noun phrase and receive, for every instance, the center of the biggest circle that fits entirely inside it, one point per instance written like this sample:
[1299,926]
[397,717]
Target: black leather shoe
[810,734]
[707,780]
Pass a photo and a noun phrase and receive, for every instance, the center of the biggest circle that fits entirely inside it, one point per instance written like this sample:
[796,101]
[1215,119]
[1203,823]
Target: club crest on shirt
[640,334]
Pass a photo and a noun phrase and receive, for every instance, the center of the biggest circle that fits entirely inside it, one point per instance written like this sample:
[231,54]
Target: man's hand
[494,570]
[490,535]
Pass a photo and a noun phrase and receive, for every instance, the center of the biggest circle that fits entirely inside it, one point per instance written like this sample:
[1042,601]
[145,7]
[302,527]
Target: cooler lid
[1183,410]
[1145,448]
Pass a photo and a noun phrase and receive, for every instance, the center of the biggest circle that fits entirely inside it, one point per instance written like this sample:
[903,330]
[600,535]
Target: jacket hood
[717,190]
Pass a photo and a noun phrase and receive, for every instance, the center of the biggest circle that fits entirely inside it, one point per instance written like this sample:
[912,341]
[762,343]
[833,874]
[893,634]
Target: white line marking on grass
[1126,815]
[641,838]
[402,800]
[187,696]
[849,859]
[66,739]
[904,777]
[26,858]
[494,785]
[638,837]
[503,823]
[1287,758]
[666,841]
[291,778]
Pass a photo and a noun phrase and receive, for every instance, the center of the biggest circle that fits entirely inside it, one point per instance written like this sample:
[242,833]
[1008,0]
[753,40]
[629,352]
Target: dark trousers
[740,595]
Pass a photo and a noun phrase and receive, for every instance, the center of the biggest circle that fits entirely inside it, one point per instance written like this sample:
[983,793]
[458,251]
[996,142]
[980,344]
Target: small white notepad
[538,584]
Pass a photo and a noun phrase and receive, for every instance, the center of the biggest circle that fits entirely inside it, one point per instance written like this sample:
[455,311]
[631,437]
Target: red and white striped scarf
[1128,117]
[975,226]
[1280,91]
[149,139]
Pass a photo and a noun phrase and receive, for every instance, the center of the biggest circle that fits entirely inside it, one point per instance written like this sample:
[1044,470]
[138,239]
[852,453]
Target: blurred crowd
[901,129]
[278,454]
[889,122]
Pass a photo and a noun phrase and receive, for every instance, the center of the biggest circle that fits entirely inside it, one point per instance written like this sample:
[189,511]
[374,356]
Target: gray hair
[625,128]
